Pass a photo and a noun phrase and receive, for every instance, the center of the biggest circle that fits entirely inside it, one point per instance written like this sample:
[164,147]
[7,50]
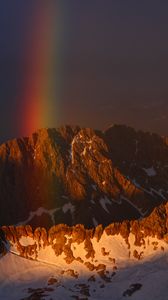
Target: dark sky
[114,63]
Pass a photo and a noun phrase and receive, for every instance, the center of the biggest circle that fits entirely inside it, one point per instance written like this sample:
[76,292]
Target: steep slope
[25,279]
[122,260]
[72,175]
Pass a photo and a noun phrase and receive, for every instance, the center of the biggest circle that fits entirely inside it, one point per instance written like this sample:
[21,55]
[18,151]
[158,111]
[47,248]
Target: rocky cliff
[68,242]
[72,175]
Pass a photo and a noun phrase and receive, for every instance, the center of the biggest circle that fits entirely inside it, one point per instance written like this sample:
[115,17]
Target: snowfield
[50,277]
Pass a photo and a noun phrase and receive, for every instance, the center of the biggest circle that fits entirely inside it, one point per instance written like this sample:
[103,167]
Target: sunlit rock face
[79,247]
[69,241]
[72,175]
[67,262]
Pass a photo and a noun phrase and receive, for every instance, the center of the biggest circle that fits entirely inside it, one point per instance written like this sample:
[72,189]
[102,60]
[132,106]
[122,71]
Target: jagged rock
[72,273]
[59,244]
[65,240]
[98,232]
[81,176]
[104,252]
[21,231]
[78,234]
[79,259]
[29,231]
[89,248]
[69,257]
[52,281]
[90,266]
[44,237]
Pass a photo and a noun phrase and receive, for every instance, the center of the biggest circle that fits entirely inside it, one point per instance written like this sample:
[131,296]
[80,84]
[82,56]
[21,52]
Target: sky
[109,64]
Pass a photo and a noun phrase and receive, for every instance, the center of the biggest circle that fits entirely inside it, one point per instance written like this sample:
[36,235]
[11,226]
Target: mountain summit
[78,175]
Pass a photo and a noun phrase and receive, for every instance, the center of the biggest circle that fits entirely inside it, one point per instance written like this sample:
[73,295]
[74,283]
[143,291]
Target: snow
[68,207]
[150,171]
[38,213]
[18,274]
[94,187]
[158,192]
[26,241]
[95,223]
[103,202]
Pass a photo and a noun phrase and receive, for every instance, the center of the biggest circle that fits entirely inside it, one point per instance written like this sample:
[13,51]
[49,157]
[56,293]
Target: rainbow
[38,99]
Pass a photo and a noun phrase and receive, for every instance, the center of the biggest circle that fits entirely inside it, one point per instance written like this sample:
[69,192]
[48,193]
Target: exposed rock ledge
[63,239]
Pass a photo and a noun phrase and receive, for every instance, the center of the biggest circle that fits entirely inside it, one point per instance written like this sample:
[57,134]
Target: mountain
[127,259]
[83,215]
[75,175]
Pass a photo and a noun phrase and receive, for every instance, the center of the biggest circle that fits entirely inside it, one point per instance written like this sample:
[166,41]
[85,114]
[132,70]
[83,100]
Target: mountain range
[84,215]
[76,175]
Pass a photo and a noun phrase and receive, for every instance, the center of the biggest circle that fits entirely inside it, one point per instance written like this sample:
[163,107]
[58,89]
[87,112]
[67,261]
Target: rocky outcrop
[64,240]
[72,175]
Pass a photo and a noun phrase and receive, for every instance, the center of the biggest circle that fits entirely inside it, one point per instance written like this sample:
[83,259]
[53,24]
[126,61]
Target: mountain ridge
[72,175]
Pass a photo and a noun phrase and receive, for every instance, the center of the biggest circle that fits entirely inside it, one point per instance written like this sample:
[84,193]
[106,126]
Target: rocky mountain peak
[80,175]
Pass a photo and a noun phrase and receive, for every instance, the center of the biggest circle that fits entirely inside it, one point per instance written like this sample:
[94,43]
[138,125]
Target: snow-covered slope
[72,266]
